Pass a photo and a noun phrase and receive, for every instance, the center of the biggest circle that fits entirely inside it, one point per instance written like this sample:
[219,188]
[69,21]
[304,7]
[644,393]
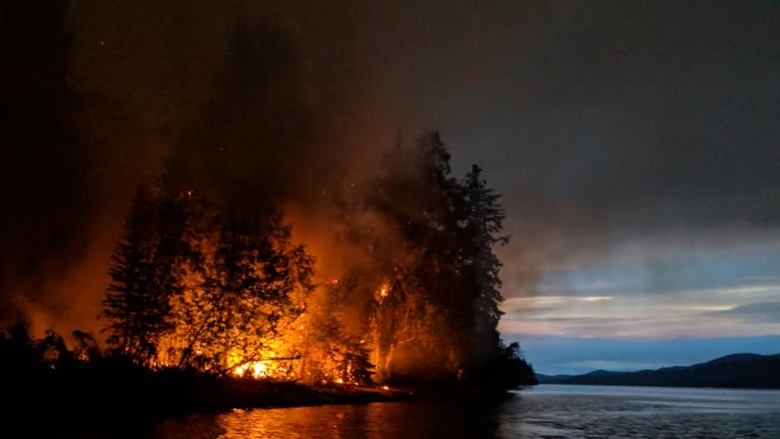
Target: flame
[383,291]
[269,366]
[257,369]
[295,353]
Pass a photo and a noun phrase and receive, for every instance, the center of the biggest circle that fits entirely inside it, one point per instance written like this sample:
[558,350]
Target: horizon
[554,355]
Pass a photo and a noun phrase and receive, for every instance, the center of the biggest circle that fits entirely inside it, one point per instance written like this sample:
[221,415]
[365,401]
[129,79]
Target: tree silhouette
[133,312]
[482,222]
[147,271]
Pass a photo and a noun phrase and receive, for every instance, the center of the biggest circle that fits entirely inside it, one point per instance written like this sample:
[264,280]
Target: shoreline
[155,396]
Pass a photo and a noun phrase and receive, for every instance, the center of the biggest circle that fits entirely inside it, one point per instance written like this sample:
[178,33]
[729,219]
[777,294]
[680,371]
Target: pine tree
[483,222]
[133,311]
[148,270]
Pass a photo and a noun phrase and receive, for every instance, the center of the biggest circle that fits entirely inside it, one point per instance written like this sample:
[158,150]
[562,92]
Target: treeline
[437,316]
[197,285]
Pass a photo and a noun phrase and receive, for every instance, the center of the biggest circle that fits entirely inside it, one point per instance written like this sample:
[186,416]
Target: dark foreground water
[546,411]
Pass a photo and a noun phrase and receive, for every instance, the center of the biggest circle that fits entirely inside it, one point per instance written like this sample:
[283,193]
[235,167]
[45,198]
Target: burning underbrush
[201,285]
[82,386]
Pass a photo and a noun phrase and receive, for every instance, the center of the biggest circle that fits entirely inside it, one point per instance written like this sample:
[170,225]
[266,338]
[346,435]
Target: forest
[227,291]
[200,287]
[213,285]
[211,308]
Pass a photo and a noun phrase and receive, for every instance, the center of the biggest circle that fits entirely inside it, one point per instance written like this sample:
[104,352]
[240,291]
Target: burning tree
[434,312]
[144,275]
[332,354]
[252,288]
[421,314]
[193,287]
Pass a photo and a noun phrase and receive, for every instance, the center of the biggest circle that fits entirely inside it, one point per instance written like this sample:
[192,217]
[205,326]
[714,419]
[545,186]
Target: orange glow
[383,291]
[258,369]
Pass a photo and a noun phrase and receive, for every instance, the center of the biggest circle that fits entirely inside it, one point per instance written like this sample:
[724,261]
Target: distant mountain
[738,370]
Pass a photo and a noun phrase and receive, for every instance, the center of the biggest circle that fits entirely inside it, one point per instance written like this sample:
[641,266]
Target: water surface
[545,411]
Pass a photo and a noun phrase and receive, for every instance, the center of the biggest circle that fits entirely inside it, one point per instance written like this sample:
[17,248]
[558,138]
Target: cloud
[767,312]
[749,309]
[547,303]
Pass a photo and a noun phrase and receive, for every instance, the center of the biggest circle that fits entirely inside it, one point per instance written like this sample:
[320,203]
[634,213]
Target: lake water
[545,411]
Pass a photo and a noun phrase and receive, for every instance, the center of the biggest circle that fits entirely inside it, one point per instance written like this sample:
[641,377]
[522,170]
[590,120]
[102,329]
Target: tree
[147,271]
[423,316]
[482,222]
[133,312]
[253,287]
[437,317]
[510,370]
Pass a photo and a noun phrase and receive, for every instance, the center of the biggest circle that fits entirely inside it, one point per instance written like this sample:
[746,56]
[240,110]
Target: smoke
[597,124]
[239,100]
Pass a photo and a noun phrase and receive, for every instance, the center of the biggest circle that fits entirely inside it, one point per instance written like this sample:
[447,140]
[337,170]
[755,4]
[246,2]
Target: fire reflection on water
[376,420]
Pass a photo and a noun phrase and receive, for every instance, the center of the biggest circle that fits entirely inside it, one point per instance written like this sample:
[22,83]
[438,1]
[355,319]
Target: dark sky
[637,144]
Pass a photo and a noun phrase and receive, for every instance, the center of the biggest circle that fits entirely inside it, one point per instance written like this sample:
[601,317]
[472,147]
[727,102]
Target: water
[546,411]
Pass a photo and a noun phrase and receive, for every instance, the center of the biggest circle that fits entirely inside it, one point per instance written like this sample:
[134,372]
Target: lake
[545,411]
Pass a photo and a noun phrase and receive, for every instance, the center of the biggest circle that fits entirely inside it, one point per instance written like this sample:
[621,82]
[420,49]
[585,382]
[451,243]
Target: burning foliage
[199,288]
[200,285]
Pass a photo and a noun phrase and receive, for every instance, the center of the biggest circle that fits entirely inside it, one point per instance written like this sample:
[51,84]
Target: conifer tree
[483,218]
[148,270]
[133,311]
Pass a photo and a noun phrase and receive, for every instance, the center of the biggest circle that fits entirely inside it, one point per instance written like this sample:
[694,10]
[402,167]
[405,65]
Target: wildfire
[257,369]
